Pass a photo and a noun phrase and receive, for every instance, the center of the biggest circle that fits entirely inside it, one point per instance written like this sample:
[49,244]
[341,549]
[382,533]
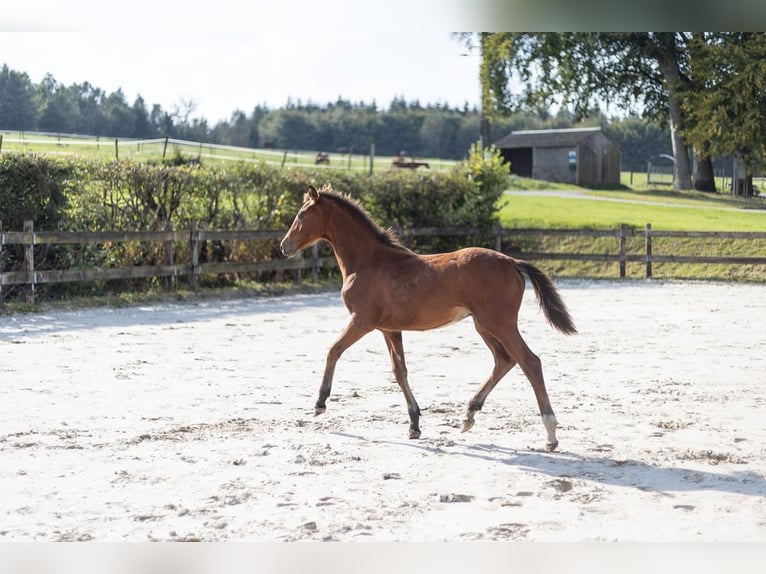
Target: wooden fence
[193,269]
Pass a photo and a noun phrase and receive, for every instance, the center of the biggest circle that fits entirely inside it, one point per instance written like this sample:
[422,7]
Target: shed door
[521,160]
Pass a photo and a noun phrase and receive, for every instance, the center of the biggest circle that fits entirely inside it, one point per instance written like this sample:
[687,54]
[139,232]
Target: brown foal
[388,287]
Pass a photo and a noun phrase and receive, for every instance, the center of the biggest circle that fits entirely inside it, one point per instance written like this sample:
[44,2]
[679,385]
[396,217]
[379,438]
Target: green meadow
[566,207]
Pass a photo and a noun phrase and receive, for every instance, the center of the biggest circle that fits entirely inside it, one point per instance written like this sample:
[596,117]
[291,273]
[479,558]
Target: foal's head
[308,226]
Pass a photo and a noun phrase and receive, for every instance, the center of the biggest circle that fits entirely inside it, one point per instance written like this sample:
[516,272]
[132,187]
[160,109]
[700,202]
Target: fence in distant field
[53,143]
[193,269]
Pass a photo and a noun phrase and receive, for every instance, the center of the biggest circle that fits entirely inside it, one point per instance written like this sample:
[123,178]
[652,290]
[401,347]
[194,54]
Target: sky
[227,55]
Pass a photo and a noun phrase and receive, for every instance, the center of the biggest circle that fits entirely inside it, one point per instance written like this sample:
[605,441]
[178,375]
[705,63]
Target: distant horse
[390,288]
[322,158]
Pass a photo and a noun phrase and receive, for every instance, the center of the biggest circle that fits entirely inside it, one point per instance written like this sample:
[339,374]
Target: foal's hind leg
[532,367]
[506,332]
[503,364]
[396,350]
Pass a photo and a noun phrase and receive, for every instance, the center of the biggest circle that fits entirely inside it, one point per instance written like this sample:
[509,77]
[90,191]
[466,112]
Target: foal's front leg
[396,350]
[352,333]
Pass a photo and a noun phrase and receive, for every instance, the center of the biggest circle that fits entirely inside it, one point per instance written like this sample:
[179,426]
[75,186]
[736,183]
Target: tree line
[430,130]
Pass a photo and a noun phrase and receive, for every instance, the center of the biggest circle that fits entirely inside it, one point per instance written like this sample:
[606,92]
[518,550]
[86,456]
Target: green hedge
[75,194]
[33,187]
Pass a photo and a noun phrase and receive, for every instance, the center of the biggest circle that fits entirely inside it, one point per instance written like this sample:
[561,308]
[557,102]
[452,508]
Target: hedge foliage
[75,194]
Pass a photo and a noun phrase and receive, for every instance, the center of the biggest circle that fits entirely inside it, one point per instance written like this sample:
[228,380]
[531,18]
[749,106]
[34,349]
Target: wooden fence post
[372,156]
[116,149]
[623,258]
[648,256]
[299,271]
[2,264]
[194,237]
[498,237]
[29,261]
[315,262]
[170,249]
[165,148]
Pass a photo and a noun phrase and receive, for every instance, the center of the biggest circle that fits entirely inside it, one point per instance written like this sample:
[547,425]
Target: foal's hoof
[551,446]
[467,425]
[414,433]
[319,411]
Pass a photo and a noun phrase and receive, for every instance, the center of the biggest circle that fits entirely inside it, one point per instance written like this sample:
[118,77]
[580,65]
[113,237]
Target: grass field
[599,210]
[157,149]
[576,208]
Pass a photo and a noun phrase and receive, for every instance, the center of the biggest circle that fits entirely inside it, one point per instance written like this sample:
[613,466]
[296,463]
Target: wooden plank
[442,231]
[607,257]
[91,274]
[240,235]
[259,266]
[565,232]
[17,238]
[65,237]
[708,259]
[711,234]
[54,237]
[147,271]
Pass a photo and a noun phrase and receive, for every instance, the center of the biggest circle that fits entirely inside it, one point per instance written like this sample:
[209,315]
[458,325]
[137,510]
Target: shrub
[93,195]
[33,187]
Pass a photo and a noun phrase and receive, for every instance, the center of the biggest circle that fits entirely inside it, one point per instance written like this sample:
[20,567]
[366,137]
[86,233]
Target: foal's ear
[312,193]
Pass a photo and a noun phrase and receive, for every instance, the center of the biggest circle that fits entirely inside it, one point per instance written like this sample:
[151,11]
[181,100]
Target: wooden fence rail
[193,269]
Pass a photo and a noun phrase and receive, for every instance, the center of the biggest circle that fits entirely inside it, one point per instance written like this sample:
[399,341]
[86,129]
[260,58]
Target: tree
[17,102]
[726,104]
[639,140]
[640,70]
[60,108]
[288,128]
[142,126]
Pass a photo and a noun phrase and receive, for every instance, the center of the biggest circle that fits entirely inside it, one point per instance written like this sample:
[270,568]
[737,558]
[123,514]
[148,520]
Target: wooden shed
[582,156]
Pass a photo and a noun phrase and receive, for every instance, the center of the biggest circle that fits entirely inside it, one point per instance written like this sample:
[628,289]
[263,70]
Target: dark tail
[548,296]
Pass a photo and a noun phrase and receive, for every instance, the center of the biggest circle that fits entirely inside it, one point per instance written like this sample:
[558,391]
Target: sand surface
[194,421]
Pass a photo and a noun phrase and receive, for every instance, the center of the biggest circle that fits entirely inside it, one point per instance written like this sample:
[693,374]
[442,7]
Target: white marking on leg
[550,423]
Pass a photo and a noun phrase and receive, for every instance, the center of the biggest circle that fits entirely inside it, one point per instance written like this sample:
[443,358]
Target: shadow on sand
[15,326]
[609,471]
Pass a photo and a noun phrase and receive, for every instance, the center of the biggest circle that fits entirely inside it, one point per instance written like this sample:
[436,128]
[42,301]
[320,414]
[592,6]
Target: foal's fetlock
[468,421]
[319,410]
[550,423]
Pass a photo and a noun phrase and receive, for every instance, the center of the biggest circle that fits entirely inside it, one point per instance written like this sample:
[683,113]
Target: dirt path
[194,422]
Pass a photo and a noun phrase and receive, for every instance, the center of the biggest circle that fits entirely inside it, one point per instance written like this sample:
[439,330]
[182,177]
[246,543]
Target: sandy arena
[194,421]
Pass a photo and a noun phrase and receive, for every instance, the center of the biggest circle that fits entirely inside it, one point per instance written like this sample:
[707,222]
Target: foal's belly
[424,318]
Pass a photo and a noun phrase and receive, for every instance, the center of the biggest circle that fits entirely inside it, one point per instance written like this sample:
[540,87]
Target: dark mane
[386,236]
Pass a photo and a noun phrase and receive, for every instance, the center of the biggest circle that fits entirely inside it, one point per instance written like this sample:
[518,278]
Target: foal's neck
[352,241]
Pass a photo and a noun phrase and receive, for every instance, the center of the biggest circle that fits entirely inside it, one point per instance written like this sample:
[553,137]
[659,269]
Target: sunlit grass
[157,150]
[667,210]
[601,210]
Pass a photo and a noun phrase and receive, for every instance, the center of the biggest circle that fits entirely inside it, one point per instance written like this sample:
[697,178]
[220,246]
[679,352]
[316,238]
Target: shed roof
[546,138]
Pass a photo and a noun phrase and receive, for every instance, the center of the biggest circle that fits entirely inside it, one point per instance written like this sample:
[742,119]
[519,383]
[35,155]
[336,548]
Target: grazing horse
[390,288]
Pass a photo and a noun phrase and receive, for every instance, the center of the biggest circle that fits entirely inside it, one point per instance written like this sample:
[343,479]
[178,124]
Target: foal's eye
[300,215]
